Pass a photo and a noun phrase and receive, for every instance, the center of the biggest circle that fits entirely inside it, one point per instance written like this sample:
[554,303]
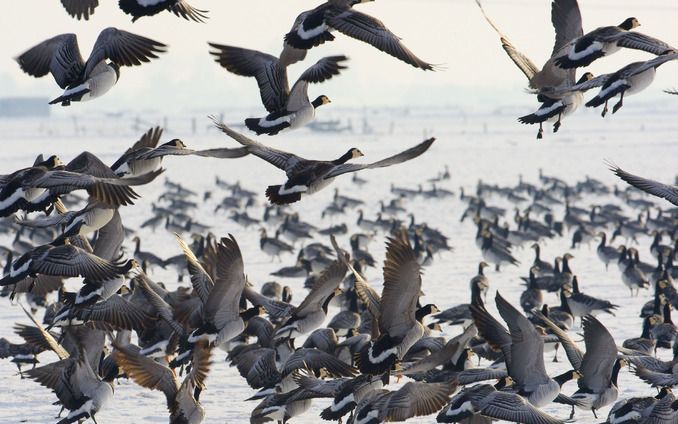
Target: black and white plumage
[309,176]
[313,27]
[66,261]
[604,41]
[628,80]
[652,187]
[85,80]
[554,107]
[288,108]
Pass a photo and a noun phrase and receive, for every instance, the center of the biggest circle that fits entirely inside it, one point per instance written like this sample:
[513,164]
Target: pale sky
[476,73]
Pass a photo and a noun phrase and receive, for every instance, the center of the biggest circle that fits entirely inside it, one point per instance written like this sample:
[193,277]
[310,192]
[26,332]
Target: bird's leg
[496,267]
[540,133]
[556,126]
[555,355]
[619,104]
[94,419]
[21,374]
[572,413]
[594,413]
[604,110]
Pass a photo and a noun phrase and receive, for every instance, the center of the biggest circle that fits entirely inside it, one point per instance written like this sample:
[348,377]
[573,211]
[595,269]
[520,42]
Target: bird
[66,260]
[604,41]
[309,176]
[181,8]
[85,80]
[628,80]
[314,27]
[288,108]
[83,9]
[652,187]
[555,106]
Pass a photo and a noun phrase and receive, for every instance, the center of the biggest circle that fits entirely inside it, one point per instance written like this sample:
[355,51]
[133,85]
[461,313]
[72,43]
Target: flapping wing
[655,188]
[417,398]
[527,347]
[321,71]
[600,356]
[402,286]
[38,336]
[513,408]
[637,41]
[146,372]
[278,158]
[325,285]
[184,10]
[372,31]
[271,76]
[522,62]
[566,19]
[116,311]
[59,55]
[574,354]
[223,302]
[202,282]
[222,153]
[401,157]
[123,48]
[71,261]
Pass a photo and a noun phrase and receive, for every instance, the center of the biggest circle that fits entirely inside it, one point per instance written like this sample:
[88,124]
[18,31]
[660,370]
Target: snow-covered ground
[491,147]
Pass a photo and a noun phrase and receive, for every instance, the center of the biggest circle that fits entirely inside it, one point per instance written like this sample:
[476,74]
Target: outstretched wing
[271,76]
[59,55]
[655,188]
[123,48]
[372,31]
[401,157]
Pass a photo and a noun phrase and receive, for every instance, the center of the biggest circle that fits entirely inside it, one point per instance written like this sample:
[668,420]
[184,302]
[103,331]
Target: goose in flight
[85,80]
[83,9]
[314,27]
[604,41]
[287,108]
[309,176]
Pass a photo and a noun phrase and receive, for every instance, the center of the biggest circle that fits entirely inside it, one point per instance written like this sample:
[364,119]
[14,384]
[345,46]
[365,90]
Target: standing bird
[604,41]
[313,28]
[287,108]
[309,176]
[86,80]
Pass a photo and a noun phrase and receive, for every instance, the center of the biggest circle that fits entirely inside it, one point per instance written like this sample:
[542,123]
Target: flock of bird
[122,324]
[559,90]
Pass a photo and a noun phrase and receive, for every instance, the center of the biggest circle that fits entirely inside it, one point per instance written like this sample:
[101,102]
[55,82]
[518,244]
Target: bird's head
[629,24]
[321,100]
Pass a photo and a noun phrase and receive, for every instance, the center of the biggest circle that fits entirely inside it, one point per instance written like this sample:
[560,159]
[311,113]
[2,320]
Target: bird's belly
[302,117]
[641,81]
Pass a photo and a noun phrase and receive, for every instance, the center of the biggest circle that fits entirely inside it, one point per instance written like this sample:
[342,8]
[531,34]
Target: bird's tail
[274,196]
